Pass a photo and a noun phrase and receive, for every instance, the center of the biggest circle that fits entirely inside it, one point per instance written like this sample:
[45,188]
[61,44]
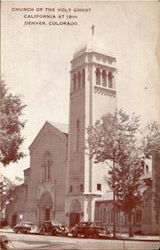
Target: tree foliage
[7,191]
[114,138]
[11,108]
[151,138]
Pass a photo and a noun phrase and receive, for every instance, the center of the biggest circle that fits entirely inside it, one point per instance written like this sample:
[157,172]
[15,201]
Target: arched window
[147,169]
[110,80]
[83,77]
[74,82]
[104,214]
[77,135]
[101,213]
[46,165]
[98,75]
[70,188]
[78,79]
[104,78]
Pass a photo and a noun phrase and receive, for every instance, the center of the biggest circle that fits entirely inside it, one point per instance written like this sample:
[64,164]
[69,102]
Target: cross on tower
[93,27]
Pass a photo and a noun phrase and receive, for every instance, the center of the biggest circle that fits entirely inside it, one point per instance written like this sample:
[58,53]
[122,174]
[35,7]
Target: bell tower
[92,94]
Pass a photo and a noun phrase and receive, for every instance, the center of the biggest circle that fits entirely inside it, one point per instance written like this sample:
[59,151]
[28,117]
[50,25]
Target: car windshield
[87,224]
[51,223]
[25,224]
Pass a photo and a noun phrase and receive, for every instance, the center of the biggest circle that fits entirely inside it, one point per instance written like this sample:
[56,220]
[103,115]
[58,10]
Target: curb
[138,239]
[108,238]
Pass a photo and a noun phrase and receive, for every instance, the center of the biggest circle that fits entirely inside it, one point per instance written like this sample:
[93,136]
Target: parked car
[88,229]
[53,228]
[3,223]
[26,227]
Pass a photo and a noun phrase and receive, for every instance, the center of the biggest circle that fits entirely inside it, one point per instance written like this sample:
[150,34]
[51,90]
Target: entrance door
[14,220]
[74,219]
[47,214]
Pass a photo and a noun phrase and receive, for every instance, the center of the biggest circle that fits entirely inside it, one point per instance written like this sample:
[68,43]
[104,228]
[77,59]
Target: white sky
[36,60]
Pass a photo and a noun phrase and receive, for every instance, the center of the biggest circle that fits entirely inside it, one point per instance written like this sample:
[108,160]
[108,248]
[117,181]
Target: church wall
[76,156]
[17,206]
[57,148]
[103,100]
[99,176]
[28,197]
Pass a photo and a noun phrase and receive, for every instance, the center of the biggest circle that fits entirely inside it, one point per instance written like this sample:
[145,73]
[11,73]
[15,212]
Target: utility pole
[1,194]
[114,202]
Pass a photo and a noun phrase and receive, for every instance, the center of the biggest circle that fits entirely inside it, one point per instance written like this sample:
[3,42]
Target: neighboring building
[146,217]
[105,214]
[62,183]
[5,190]
[150,223]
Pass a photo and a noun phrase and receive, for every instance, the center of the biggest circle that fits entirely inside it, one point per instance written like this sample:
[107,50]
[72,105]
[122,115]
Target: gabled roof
[61,127]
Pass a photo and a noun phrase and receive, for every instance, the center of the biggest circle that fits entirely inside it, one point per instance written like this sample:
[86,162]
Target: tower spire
[93,27]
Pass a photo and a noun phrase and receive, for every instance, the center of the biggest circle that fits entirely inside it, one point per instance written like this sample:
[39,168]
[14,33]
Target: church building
[62,182]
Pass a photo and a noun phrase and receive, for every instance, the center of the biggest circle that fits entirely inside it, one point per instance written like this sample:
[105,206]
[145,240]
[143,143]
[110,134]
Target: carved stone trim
[104,91]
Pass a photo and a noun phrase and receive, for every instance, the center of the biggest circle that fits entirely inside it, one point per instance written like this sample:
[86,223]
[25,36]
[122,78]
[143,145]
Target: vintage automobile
[88,230]
[53,228]
[26,227]
[3,223]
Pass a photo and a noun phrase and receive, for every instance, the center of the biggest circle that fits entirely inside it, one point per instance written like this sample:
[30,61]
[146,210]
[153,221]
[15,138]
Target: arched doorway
[75,212]
[45,207]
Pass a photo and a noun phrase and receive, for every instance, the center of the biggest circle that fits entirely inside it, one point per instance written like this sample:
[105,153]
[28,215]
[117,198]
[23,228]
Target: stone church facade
[42,196]
[62,183]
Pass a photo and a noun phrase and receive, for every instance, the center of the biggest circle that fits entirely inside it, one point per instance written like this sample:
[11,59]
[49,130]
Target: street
[26,241]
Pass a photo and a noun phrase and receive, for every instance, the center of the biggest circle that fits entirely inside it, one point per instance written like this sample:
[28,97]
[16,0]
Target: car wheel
[41,232]
[86,235]
[74,235]
[96,236]
[54,232]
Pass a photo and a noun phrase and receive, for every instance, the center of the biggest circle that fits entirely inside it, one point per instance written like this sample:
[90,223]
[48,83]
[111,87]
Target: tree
[151,138]
[11,108]
[114,138]
[7,189]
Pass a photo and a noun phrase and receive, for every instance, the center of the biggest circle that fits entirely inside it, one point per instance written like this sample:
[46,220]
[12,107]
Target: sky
[35,59]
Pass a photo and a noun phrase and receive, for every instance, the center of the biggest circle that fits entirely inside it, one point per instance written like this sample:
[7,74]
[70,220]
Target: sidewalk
[139,237]
[6,229]
[118,236]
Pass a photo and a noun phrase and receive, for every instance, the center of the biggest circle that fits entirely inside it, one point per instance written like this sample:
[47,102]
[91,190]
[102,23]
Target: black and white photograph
[80,125]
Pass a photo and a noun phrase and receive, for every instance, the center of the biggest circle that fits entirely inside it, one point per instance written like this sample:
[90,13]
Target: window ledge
[104,91]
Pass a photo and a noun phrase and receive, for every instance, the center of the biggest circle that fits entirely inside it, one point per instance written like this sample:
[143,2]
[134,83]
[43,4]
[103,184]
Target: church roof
[60,126]
[63,128]
[92,45]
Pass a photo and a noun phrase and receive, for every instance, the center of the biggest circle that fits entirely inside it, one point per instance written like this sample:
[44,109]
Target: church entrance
[75,213]
[74,218]
[47,214]
[45,207]
[14,220]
